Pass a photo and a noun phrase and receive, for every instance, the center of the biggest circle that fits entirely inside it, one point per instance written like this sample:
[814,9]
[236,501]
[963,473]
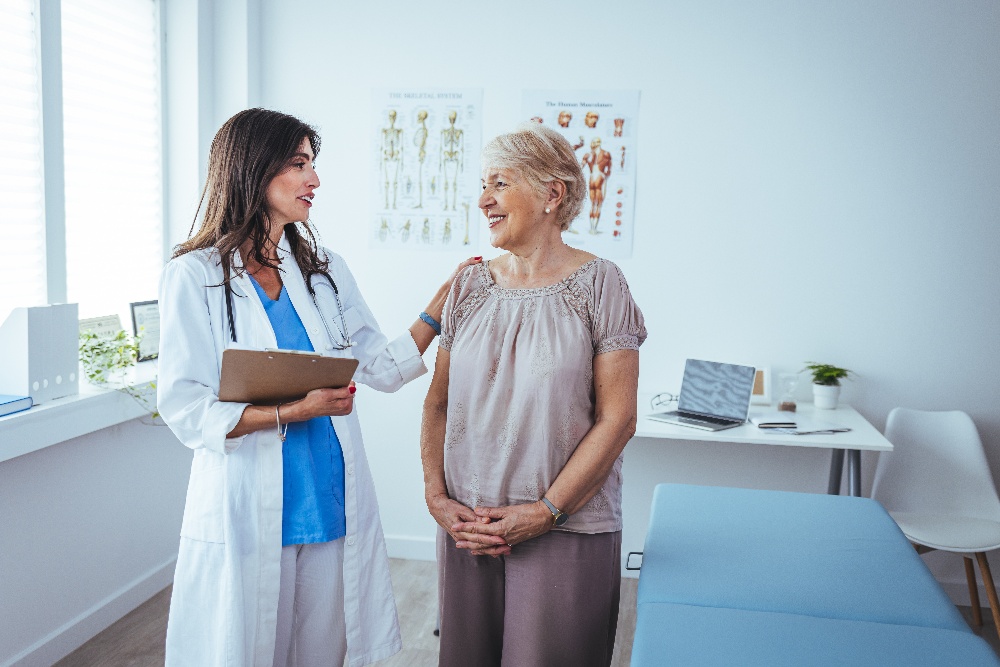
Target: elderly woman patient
[532,402]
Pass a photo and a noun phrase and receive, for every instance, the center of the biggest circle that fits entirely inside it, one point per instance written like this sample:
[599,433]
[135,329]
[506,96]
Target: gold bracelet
[282,432]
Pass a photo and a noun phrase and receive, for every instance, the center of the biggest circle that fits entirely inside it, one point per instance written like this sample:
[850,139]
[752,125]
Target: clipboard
[280,376]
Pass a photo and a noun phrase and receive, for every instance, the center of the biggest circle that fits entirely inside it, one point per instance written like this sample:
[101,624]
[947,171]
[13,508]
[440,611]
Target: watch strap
[558,516]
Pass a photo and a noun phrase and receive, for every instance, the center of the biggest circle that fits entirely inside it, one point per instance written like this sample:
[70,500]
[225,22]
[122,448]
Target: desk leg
[836,471]
[854,472]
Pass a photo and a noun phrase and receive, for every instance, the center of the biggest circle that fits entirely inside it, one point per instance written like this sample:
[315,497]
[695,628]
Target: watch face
[561,518]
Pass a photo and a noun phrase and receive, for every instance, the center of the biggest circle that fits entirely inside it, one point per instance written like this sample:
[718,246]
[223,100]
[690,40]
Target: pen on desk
[823,431]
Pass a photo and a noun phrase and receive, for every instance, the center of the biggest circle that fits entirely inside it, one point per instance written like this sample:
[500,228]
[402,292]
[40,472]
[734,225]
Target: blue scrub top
[313,461]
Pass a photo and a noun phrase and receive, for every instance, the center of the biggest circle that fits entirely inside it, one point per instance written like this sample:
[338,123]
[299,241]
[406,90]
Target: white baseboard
[958,591]
[411,548]
[72,635]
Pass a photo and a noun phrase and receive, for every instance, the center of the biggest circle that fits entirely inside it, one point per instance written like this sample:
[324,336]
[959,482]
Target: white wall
[89,530]
[817,181]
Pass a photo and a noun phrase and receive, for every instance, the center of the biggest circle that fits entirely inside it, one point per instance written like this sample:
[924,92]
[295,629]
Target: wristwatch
[558,516]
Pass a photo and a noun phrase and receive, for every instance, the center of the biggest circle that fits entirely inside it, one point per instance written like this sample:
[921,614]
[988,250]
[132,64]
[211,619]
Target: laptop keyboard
[705,420]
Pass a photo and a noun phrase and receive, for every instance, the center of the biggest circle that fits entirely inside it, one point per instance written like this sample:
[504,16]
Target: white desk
[862,436]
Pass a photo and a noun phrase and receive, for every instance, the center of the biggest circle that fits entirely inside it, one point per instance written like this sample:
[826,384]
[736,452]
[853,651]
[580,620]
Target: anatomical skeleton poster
[426,181]
[601,127]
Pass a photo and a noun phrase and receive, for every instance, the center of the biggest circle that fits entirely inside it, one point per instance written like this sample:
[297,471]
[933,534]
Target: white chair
[936,484]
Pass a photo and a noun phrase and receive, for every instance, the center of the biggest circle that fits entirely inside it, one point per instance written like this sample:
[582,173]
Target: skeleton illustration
[391,154]
[420,141]
[465,205]
[452,158]
[446,235]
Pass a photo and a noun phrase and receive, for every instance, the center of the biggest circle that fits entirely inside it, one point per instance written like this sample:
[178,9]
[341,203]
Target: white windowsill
[93,409]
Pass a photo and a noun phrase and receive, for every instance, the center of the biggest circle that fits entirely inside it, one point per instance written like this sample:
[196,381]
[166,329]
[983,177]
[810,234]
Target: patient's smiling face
[512,208]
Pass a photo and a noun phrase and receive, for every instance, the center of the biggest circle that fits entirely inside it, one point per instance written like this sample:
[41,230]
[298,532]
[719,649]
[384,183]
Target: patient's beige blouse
[521,387]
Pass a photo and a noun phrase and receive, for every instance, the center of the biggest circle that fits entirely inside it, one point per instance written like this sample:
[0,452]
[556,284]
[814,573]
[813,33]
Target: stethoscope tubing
[343,343]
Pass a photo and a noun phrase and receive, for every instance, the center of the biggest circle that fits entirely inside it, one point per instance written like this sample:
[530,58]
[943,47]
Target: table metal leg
[854,472]
[836,472]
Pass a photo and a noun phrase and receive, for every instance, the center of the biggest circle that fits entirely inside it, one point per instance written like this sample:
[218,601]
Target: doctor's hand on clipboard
[321,403]
[284,386]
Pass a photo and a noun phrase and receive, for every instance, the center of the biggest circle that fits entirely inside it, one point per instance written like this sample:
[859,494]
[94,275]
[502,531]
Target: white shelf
[70,417]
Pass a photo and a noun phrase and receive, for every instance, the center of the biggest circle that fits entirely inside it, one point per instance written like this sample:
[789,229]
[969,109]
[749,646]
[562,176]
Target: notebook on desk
[713,396]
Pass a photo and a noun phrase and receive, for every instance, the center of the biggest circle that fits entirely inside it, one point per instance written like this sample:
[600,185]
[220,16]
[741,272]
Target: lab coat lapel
[253,329]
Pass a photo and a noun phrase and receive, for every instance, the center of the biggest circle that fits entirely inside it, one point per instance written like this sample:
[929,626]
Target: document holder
[280,376]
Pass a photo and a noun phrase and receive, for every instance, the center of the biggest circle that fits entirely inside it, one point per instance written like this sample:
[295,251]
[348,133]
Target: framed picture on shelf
[146,321]
[761,394]
[103,327]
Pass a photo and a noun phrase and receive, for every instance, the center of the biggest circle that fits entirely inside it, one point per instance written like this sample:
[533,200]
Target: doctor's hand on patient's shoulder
[423,331]
[436,306]
[321,403]
[458,269]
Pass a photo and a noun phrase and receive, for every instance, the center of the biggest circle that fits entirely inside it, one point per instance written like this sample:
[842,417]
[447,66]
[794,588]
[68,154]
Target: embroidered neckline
[525,292]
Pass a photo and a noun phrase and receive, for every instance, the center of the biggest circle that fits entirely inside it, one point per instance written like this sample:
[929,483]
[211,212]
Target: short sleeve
[457,304]
[617,322]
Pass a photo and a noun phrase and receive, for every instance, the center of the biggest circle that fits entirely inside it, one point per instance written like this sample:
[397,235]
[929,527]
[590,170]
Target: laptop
[713,396]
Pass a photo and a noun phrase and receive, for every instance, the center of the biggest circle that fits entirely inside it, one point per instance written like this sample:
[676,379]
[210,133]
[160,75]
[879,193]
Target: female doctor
[282,559]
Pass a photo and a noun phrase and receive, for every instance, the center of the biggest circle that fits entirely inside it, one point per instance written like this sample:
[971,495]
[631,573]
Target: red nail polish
[478,258]
[352,389]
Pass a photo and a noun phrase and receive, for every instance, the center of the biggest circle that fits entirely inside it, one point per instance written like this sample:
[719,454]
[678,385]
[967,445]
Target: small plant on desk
[826,383]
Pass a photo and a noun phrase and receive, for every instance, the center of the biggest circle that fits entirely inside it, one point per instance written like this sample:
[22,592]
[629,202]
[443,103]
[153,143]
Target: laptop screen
[718,390]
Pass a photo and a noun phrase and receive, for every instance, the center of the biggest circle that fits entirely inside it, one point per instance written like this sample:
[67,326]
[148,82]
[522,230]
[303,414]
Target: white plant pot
[825,397]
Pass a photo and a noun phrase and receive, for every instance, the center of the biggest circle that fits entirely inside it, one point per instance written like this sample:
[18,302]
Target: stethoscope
[344,342]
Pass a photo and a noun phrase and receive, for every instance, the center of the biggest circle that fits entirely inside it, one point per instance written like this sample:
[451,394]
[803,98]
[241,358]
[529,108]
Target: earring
[548,210]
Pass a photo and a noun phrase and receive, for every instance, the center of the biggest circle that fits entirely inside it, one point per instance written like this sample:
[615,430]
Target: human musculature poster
[426,181]
[601,127]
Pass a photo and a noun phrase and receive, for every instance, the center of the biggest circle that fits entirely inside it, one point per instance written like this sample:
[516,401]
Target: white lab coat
[224,606]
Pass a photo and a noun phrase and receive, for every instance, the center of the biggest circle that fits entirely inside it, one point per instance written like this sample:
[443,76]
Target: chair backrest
[937,466]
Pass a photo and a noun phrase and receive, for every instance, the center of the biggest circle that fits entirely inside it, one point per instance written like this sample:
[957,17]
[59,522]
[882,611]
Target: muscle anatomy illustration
[598,161]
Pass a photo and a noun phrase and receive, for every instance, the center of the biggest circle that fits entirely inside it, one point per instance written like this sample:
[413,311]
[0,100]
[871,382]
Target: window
[22,223]
[112,233]
[111,116]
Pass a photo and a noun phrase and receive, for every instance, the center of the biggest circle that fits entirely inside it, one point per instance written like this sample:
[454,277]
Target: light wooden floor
[137,639]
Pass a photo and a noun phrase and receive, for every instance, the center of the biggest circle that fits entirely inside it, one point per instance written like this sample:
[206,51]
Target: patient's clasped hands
[494,530]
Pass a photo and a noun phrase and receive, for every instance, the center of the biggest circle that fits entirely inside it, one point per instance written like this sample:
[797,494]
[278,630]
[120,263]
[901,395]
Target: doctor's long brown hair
[248,151]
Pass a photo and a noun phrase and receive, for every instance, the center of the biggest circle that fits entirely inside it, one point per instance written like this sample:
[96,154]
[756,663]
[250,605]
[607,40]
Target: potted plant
[826,384]
[105,359]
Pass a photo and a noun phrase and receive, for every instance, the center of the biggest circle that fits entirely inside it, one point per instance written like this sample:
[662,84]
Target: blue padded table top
[670,634]
[794,553]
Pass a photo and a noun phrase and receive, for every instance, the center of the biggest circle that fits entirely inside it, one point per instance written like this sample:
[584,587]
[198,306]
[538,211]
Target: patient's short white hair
[540,155]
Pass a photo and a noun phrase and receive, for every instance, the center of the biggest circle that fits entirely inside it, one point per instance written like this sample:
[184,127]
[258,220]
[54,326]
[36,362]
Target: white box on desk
[39,352]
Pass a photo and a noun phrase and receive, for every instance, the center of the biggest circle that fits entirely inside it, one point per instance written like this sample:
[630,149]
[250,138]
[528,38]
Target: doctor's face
[290,193]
